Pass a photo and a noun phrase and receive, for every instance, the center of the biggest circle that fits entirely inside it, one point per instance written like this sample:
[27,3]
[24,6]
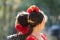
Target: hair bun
[33,8]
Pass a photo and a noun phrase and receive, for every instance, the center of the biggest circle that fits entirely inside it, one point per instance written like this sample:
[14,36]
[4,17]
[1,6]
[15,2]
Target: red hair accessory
[22,29]
[32,8]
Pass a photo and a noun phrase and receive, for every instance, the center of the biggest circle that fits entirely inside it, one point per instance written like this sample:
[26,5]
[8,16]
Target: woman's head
[37,16]
[21,23]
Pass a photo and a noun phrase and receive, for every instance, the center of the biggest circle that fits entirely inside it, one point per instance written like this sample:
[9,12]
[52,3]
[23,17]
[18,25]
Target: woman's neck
[36,30]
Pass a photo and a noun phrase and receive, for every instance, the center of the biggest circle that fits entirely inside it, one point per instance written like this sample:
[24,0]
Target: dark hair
[36,17]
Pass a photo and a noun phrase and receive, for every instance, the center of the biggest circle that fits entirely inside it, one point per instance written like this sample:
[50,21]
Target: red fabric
[22,29]
[43,36]
[32,37]
[32,8]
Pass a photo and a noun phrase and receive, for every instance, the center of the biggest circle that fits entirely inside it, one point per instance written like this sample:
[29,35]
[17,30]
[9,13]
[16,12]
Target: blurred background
[10,8]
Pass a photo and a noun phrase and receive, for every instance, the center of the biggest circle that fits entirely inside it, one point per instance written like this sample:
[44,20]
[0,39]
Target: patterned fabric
[43,36]
[32,37]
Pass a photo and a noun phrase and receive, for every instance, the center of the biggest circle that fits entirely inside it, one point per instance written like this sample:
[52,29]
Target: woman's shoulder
[31,37]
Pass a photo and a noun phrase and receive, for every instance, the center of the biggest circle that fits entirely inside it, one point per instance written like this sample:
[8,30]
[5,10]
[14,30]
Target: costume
[34,37]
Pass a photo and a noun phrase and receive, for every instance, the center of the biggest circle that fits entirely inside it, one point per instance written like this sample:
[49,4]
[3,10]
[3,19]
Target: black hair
[34,16]
[23,19]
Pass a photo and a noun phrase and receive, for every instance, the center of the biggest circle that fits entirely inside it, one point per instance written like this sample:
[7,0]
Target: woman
[29,24]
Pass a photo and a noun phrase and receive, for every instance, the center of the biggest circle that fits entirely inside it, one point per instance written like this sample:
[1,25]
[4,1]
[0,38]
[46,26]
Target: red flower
[22,29]
[32,8]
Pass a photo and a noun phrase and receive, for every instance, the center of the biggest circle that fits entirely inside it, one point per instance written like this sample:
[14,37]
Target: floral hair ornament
[32,8]
[20,28]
